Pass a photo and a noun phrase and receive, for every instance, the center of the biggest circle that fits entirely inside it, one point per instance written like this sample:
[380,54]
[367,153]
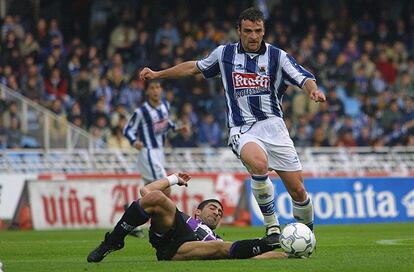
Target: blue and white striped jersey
[254,82]
[149,125]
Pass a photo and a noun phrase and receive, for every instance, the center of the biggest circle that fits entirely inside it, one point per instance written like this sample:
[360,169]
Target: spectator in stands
[117,139]
[185,138]
[13,134]
[301,137]
[364,138]
[209,133]
[319,138]
[366,64]
[57,124]
[104,93]
[346,138]
[404,85]
[54,30]
[378,83]
[391,115]
[101,124]
[12,112]
[75,112]
[301,105]
[386,67]
[141,49]
[33,84]
[29,46]
[81,89]
[335,105]
[119,114]
[188,112]
[42,34]
[167,32]
[123,36]
[12,83]
[56,86]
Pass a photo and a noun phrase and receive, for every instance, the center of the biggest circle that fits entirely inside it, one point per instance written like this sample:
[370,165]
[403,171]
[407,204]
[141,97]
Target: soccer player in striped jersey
[176,235]
[255,76]
[146,131]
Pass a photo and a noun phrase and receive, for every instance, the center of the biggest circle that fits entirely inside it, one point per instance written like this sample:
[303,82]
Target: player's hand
[184,129]
[317,96]
[138,145]
[147,73]
[183,178]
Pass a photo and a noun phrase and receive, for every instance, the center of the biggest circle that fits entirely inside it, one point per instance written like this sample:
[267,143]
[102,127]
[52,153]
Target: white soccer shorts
[151,164]
[273,137]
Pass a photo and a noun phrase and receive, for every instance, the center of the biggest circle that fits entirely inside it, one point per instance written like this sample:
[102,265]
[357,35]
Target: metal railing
[317,162]
[44,129]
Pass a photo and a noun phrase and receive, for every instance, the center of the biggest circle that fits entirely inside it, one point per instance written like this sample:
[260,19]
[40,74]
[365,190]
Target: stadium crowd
[87,74]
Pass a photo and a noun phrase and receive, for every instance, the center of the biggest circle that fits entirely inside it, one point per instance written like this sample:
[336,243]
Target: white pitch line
[394,242]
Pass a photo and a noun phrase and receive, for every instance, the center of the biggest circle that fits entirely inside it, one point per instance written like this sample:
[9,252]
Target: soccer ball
[298,240]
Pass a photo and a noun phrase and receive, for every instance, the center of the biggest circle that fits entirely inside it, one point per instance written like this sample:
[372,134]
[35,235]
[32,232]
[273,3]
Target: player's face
[251,34]
[211,214]
[154,92]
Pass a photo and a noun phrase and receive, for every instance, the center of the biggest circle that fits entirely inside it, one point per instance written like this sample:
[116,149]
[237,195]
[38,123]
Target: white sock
[264,194]
[303,211]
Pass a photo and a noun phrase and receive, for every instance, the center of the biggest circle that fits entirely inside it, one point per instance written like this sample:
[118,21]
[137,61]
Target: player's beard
[210,222]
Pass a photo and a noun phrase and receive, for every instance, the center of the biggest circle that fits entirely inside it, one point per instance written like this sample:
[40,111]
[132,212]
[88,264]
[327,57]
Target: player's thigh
[203,250]
[253,154]
[162,210]
[293,181]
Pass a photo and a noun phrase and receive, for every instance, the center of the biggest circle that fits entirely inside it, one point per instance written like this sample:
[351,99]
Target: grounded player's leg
[272,255]
[201,250]
[255,160]
[154,204]
[301,203]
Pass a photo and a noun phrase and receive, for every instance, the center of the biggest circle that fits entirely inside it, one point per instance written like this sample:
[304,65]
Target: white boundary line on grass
[394,242]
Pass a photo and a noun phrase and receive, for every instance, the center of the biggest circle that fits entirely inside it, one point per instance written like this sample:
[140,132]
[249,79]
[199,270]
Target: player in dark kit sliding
[177,236]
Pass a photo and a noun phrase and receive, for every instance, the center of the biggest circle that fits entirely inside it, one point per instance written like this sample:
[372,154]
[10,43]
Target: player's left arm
[295,74]
[314,93]
[181,179]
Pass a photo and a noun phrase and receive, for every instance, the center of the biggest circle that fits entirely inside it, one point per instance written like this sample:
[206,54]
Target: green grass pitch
[371,247]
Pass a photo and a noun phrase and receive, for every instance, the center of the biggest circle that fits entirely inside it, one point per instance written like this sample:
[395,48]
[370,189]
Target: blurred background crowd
[80,59]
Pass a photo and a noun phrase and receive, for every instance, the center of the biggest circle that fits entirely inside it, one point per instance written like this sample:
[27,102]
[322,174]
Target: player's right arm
[181,179]
[208,66]
[187,68]
[130,130]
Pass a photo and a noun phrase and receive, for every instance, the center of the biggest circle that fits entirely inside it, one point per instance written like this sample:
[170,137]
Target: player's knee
[259,167]
[154,198]
[222,250]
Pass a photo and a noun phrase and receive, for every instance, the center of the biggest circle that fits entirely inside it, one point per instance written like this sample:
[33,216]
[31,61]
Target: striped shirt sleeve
[130,130]
[293,73]
[209,66]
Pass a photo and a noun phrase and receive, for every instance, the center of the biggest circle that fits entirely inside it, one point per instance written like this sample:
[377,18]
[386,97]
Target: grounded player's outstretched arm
[180,70]
[180,179]
[314,93]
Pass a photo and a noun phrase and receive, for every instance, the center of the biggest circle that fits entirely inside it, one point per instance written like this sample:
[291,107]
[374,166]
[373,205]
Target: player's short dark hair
[252,14]
[148,82]
[207,201]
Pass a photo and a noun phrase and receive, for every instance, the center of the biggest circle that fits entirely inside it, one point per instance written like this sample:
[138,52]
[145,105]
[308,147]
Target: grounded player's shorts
[273,137]
[167,244]
[151,164]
